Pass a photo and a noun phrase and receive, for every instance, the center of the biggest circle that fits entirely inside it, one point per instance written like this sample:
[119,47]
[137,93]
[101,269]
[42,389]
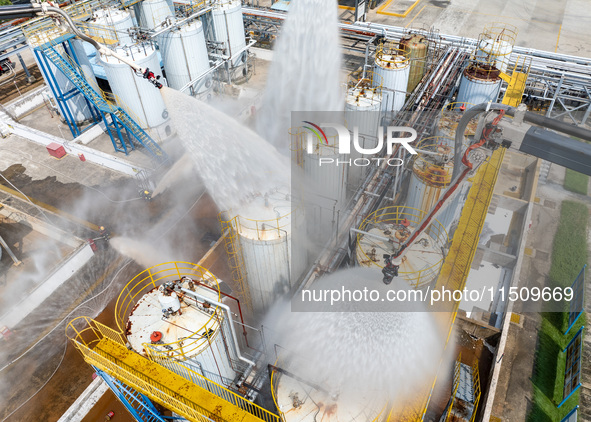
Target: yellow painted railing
[395,215]
[167,382]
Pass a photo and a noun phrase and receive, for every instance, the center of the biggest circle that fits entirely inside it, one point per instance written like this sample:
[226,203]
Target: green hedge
[569,254]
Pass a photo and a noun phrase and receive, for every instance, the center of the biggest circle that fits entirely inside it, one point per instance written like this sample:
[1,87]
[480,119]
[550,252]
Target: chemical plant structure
[190,343]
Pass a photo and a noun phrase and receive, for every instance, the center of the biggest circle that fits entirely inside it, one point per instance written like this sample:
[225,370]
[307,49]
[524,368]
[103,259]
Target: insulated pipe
[229,315]
[536,119]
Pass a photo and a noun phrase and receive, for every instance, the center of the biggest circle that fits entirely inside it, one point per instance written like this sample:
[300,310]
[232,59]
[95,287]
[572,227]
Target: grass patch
[569,254]
[576,182]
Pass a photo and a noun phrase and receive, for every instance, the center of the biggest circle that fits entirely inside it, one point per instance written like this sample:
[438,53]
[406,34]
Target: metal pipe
[375,236]
[226,308]
[182,21]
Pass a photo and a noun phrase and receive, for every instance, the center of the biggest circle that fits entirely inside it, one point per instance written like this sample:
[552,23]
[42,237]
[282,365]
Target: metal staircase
[140,407]
[118,116]
[516,81]
[175,387]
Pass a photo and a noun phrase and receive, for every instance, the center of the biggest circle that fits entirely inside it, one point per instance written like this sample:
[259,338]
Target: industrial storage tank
[174,313]
[495,45]
[328,180]
[363,106]
[416,47]
[480,83]
[449,118]
[79,107]
[228,29]
[300,400]
[106,24]
[184,54]
[386,229]
[132,92]
[432,171]
[393,66]
[151,13]
[263,252]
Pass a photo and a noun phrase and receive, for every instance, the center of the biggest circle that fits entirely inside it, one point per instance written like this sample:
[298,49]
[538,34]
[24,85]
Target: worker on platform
[390,270]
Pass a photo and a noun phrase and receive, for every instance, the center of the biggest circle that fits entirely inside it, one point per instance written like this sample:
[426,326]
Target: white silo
[174,314]
[393,66]
[78,107]
[480,83]
[432,171]
[184,54]
[271,260]
[495,45]
[386,229]
[228,28]
[109,23]
[363,106]
[132,92]
[318,158]
[151,13]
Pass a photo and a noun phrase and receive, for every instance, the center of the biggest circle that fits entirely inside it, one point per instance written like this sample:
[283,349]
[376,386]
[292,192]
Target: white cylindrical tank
[119,21]
[362,110]
[272,261]
[394,68]
[387,229]
[228,28]
[479,84]
[132,92]
[184,54]
[78,105]
[496,52]
[84,63]
[152,13]
[184,329]
[431,175]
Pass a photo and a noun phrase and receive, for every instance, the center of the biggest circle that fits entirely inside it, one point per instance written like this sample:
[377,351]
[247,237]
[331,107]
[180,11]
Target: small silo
[184,54]
[495,45]
[107,23]
[480,83]
[262,235]
[448,120]
[228,29]
[386,229]
[151,13]
[394,68]
[174,312]
[363,105]
[416,47]
[132,92]
[432,171]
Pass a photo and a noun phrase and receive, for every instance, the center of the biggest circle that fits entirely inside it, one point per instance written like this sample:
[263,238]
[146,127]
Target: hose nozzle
[153,79]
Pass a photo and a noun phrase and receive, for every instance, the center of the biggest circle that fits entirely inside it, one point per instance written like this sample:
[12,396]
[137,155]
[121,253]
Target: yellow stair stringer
[172,391]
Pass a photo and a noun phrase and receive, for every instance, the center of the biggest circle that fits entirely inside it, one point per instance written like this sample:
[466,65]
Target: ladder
[176,387]
[117,114]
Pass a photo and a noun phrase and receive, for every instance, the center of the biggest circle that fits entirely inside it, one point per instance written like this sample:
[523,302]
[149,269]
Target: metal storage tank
[132,92]
[119,21]
[479,84]
[363,106]
[495,45]
[299,401]
[387,228]
[448,120]
[431,175]
[184,54]
[174,312]
[393,66]
[84,63]
[328,180]
[263,234]
[78,105]
[416,46]
[151,13]
[228,28]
